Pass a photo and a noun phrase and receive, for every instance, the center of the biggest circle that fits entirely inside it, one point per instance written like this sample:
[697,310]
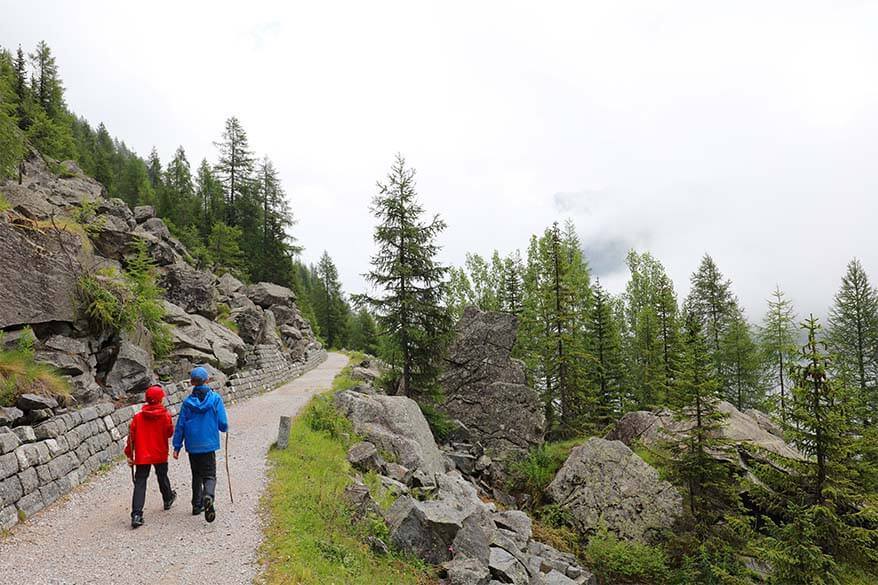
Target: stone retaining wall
[40,464]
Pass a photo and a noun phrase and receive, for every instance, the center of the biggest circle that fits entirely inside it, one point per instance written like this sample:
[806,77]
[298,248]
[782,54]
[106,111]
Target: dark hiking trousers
[141,474]
[203,467]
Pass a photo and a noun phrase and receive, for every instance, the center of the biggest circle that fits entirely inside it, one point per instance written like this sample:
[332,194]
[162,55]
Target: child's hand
[130,462]
[176,454]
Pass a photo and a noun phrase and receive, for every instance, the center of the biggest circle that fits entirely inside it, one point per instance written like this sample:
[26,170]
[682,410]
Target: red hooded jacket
[150,430]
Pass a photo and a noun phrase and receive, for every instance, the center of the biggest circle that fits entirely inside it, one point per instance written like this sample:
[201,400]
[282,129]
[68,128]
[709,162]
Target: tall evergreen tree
[209,192]
[712,301]
[410,312]
[742,366]
[695,404]
[777,340]
[853,337]
[604,348]
[47,89]
[177,200]
[330,306]
[235,167]
[512,284]
[363,332]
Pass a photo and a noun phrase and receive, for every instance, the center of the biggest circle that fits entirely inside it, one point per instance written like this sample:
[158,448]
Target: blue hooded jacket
[202,417]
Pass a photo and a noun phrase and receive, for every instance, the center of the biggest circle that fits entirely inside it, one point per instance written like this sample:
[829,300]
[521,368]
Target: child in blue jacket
[201,419]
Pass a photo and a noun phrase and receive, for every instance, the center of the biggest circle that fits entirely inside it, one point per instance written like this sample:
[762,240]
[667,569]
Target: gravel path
[86,537]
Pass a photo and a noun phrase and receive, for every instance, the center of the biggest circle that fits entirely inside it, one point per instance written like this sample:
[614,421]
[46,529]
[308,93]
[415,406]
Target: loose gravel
[86,537]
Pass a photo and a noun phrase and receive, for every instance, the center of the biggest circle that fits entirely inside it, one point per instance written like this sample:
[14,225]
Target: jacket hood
[203,398]
[154,395]
[153,410]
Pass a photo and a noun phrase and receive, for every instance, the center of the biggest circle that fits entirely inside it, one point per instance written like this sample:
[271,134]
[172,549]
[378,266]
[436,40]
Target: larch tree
[742,365]
[235,167]
[411,311]
[330,305]
[777,342]
[712,301]
[853,337]
[605,368]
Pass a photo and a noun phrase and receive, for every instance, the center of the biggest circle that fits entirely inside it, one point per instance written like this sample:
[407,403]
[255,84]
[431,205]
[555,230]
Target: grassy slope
[310,538]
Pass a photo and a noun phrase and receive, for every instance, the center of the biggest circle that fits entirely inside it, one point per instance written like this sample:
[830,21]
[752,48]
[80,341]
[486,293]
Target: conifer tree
[695,449]
[460,293]
[512,284]
[330,306]
[853,337]
[485,282]
[741,366]
[410,313]
[177,200]
[363,332]
[604,348]
[47,89]
[154,169]
[777,340]
[712,301]
[224,246]
[209,192]
[235,168]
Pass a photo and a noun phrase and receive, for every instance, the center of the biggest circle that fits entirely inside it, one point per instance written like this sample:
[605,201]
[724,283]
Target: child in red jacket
[148,445]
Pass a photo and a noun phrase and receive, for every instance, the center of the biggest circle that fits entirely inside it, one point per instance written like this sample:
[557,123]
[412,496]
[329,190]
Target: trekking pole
[229,475]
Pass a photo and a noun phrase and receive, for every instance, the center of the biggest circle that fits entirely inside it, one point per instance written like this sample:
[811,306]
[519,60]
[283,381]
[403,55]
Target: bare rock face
[395,424]
[484,387]
[739,428]
[190,289]
[604,481]
[266,294]
[39,278]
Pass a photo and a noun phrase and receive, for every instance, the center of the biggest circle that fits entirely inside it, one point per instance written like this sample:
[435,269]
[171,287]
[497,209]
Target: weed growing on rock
[20,374]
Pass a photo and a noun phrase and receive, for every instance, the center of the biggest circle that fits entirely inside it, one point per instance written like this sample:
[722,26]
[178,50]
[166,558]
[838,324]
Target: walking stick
[229,475]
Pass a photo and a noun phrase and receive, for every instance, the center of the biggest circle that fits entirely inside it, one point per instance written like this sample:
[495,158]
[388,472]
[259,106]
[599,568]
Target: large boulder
[396,425]
[604,482]
[485,389]
[201,340]
[229,285]
[112,236]
[67,355]
[266,294]
[738,428]
[44,264]
[131,371]
[429,528]
[190,289]
[250,322]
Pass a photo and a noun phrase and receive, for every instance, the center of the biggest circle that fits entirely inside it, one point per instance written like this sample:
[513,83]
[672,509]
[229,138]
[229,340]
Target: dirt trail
[86,537]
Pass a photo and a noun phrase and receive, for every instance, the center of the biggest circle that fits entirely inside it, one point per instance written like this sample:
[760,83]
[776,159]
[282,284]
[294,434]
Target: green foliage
[322,417]
[4,203]
[777,342]
[329,304]
[532,474]
[440,423]
[712,301]
[404,269]
[742,366]
[615,561]
[20,374]
[120,302]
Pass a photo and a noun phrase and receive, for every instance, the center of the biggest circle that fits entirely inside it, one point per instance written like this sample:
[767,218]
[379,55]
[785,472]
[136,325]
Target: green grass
[310,537]
[533,474]
[5,205]
[20,374]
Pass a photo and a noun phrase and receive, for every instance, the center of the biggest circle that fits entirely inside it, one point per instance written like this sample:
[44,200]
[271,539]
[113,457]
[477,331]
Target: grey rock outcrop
[738,428]
[189,289]
[395,424]
[604,481]
[143,213]
[266,294]
[485,389]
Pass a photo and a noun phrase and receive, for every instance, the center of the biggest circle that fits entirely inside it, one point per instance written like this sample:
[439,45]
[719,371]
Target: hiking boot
[136,520]
[170,502]
[209,510]
[196,510]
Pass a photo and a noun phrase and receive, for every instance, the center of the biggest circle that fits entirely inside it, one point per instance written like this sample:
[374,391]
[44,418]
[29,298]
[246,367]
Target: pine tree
[652,325]
[777,340]
[512,284]
[330,306]
[853,337]
[209,193]
[605,371]
[697,448]
[177,200]
[741,366]
[363,332]
[224,246]
[411,312]
[47,89]
[712,301]
[235,167]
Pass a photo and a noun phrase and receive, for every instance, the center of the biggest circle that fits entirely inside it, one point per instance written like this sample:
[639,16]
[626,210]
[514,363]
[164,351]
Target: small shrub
[322,416]
[615,560]
[86,216]
[5,205]
[119,302]
[440,423]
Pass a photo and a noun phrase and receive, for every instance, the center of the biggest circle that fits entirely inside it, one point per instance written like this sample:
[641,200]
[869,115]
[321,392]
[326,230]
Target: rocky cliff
[60,229]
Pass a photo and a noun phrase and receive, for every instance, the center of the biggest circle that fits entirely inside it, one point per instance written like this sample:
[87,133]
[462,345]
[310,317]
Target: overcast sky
[742,129]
